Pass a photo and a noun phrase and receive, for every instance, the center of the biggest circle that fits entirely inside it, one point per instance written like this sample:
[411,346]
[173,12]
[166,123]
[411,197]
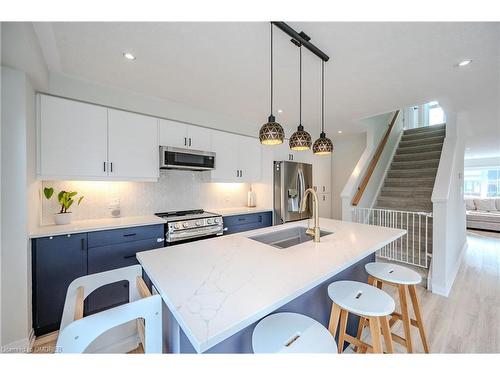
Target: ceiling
[224,68]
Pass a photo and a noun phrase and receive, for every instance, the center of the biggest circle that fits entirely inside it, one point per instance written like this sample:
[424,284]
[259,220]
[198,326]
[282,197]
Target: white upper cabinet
[322,173]
[178,134]
[237,158]
[80,141]
[72,139]
[199,138]
[249,159]
[133,145]
[283,152]
[225,146]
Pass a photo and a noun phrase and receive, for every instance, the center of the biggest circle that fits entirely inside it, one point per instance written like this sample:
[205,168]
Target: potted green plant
[66,200]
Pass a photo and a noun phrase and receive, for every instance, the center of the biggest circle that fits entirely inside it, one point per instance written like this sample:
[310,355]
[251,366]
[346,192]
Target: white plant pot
[61,219]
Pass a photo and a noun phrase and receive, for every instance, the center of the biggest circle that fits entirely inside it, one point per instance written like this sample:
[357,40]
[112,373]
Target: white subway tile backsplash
[175,190]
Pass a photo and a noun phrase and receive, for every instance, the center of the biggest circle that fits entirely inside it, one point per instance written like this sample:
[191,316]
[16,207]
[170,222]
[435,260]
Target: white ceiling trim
[47,40]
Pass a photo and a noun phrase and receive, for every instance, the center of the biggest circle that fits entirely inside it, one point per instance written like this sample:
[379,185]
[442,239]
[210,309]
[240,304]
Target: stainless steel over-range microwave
[187,159]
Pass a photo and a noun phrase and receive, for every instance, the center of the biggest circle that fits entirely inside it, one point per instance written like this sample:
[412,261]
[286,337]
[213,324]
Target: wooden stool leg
[375,333]
[371,280]
[405,317]
[343,326]
[418,316]
[386,331]
[334,319]
[361,325]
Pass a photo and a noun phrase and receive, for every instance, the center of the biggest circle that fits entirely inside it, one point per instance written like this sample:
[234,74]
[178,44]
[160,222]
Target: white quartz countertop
[216,287]
[95,225]
[239,210]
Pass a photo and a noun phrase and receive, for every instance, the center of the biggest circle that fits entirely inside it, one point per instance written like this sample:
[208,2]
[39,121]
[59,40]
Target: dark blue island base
[314,303]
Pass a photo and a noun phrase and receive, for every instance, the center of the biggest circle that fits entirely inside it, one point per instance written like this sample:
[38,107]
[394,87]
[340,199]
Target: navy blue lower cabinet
[106,258]
[59,260]
[120,253]
[56,262]
[242,223]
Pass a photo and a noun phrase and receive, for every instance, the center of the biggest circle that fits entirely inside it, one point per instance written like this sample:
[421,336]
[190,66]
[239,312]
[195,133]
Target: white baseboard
[445,292]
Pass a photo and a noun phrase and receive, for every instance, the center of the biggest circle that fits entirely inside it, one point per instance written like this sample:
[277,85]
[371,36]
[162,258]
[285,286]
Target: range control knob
[177,225]
[210,221]
[218,220]
[198,223]
[185,224]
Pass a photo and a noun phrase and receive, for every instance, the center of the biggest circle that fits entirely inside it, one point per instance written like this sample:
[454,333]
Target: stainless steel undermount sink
[285,238]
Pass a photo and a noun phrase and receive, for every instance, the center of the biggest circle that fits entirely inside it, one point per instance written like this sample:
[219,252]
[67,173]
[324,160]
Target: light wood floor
[465,322]
[468,320]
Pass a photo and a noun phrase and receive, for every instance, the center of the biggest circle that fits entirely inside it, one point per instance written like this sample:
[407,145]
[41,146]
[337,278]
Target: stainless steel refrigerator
[291,179]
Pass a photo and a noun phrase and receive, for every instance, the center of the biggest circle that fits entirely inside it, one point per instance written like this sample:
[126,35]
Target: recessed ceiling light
[464,63]
[128,56]
[280,111]
[340,131]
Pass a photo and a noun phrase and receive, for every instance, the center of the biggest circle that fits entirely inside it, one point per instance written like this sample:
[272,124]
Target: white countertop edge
[201,347]
[94,225]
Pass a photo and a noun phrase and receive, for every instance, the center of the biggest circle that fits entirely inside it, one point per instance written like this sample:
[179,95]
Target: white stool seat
[291,333]
[393,273]
[360,298]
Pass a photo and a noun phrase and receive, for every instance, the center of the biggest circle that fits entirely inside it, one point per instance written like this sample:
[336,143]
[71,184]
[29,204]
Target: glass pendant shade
[300,140]
[323,145]
[271,133]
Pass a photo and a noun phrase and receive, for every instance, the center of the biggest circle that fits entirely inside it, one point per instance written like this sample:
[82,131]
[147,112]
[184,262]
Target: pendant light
[271,133]
[300,140]
[323,145]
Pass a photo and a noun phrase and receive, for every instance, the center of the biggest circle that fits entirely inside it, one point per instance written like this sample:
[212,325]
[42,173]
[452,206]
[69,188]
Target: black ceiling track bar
[302,38]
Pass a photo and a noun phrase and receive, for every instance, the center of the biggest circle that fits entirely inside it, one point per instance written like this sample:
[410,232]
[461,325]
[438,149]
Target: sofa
[483,213]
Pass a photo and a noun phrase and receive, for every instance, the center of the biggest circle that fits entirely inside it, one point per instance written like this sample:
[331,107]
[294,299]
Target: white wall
[14,211]
[449,222]
[347,149]
[19,193]
[21,51]
[376,128]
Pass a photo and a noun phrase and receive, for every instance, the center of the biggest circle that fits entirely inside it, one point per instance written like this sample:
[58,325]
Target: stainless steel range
[190,225]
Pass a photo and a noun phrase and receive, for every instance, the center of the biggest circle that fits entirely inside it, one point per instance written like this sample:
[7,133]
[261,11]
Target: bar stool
[370,304]
[403,279]
[291,333]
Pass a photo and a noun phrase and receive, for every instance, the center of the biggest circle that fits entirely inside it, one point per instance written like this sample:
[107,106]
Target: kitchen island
[216,290]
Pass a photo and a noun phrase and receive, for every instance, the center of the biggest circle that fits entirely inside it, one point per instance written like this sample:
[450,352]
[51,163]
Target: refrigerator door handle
[301,187]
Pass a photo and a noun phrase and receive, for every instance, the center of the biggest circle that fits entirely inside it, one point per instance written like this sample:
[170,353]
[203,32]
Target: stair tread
[423,141]
[425,129]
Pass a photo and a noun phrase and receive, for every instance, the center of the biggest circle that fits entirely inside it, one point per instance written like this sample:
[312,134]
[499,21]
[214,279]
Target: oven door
[179,158]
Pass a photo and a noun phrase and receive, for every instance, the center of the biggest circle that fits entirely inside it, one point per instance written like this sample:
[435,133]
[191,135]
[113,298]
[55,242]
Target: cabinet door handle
[160,240]
[104,166]
[241,173]
[324,198]
[111,167]
[185,141]
[237,173]
[189,142]
[82,243]
[225,229]
[129,234]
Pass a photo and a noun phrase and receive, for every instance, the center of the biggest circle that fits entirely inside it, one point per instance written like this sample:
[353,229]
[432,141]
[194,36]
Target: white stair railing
[415,247]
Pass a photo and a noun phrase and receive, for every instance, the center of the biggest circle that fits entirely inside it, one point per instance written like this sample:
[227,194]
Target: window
[482,182]
[436,114]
